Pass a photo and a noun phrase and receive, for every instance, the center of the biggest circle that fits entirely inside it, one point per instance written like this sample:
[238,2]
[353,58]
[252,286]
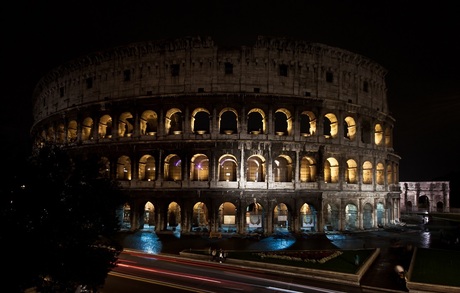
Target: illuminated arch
[199,168]
[255,170]
[147,168]
[148,123]
[227,168]
[352,172]
[367,172]
[200,120]
[308,169]
[173,168]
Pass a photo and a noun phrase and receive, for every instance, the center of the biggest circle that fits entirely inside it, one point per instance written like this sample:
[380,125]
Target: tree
[62,216]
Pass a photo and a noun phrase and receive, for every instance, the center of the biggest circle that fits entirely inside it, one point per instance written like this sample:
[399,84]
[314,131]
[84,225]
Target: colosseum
[281,136]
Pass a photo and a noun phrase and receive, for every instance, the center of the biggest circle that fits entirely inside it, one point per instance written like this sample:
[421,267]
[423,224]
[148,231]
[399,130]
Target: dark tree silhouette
[61,217]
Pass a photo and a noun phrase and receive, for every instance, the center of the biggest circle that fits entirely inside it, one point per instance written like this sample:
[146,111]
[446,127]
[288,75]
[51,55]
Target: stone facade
[284,135]
[425,196]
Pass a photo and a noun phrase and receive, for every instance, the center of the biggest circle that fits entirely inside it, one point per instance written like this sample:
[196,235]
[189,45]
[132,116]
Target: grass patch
[436,266]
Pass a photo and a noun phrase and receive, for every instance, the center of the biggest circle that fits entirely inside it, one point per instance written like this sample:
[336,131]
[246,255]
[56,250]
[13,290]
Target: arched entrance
[380,215]
[227,218]
[281,218]
[308,219]
[174,218]
[351,217]
[368,222]
[331,218]
[149,216]
[200,220]
[423,204]
[254,218]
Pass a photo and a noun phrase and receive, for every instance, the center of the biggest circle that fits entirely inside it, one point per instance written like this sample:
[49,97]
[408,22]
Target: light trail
[169,273]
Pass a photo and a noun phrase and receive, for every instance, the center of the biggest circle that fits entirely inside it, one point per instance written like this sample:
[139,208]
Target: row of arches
[256,169]
[229,121]
[254,219]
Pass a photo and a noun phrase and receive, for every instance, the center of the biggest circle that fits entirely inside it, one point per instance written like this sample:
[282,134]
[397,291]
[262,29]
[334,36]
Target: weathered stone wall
[425,196]
[100,104]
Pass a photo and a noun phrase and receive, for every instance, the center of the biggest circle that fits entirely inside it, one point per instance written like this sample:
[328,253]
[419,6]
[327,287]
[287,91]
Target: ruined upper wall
[273,66]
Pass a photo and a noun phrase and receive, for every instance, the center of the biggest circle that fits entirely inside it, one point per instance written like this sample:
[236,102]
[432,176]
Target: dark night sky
[416,41]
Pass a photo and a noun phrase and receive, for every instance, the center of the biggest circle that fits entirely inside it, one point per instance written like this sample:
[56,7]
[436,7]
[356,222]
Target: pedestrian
[214,254]
[221,255]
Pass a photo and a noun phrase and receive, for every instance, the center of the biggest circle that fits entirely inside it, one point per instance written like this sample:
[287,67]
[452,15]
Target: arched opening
[255,171]
[331,170]
[283,122]
[368,222]
[72,131]
[256,121]
[439,207]
[124,168]
[307,169]
[281,218]
[125,125]
[349,128]
[148,123]
[200,121]
[254,218]
[380,174]
[149,216]
[126,224]
[227,218]
[147,169]
[227,168]
[378,134]
[228,122]
[174,217]
[173,121]
[307,123]
[423,204]
[367,172]
[200,221]
[308,218]
[330,126]
[282,169]
[351,217]
[199,168]
[380,215]
[331,218]
[105,127]
[351,176]
[87,129]
[173,168]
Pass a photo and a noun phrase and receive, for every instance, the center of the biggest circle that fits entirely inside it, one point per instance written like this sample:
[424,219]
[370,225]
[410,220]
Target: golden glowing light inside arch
[199,168]
[172,114]
[227,168]
[378,134]
[148,122]
[352,171]
[312,122]
[147,168]
[367,172]
[288,119]
[308,169]
[351,128]
[173,168]
[331,170]
[334,124]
